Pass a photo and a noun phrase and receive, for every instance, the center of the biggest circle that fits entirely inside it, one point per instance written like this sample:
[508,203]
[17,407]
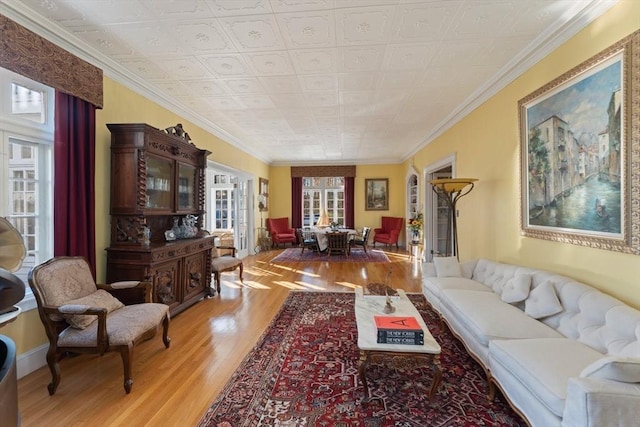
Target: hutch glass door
[158,183]
[186,184]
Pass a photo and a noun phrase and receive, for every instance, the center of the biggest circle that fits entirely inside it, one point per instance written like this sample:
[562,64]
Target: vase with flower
[415,225]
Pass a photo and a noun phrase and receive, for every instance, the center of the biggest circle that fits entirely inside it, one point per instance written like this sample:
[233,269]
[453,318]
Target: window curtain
[349,210]
[74,182]
[296,202]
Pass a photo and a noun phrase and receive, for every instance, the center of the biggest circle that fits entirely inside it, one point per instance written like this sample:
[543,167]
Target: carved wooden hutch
[158,179]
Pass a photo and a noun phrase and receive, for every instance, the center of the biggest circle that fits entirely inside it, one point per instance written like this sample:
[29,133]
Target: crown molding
[540,47]
[59,36]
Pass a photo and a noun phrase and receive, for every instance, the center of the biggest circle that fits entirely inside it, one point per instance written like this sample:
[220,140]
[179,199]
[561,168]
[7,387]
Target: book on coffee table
[398,330]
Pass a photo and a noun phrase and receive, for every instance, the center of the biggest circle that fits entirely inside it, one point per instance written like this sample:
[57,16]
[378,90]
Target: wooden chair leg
[54,367]
[165,331]
[241,266]
[216,279]
[126,352]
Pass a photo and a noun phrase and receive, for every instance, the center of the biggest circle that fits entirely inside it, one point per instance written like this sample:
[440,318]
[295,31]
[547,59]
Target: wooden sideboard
[180,270]
[158,180]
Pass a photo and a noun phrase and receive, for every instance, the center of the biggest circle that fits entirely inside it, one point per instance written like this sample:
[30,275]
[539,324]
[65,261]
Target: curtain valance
[26,53]
[319,171]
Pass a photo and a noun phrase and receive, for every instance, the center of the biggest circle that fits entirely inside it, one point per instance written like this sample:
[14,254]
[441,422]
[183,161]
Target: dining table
[321,235]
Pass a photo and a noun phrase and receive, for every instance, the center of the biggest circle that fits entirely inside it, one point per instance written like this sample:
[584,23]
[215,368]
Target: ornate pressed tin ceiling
[313,81]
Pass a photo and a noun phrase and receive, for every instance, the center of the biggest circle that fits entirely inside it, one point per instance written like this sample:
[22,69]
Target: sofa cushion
[447,266]
[98,299]
[625,369]
[542,301]
[224,262]
[471,309]
[543,365]
[517,288]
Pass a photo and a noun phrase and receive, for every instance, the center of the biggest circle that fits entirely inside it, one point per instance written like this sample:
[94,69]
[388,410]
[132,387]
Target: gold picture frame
[580,153]
[376,194]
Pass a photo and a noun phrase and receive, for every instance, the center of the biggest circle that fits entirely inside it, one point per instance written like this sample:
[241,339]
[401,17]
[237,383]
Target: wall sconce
[262,204]
[452,189]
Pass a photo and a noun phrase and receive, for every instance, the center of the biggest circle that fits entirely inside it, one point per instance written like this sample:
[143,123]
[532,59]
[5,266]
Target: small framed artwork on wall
[376,194]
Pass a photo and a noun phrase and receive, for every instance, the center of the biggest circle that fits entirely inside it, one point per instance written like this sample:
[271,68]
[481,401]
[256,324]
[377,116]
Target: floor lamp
[452,189]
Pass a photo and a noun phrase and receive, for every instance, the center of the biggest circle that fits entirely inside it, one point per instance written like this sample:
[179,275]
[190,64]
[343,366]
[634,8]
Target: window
[322,193]
[26,167]
[222,196]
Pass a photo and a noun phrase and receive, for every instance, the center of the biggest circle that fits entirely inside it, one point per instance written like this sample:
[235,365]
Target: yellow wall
[122,105]
[486,144]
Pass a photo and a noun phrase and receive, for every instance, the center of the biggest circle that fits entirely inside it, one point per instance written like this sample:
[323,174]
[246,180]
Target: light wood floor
[175,386]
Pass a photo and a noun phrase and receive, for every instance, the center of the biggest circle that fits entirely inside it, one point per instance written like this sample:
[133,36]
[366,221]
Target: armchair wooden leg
[165,331]
[216,280]
[241,270]
[127,354]
[54,367]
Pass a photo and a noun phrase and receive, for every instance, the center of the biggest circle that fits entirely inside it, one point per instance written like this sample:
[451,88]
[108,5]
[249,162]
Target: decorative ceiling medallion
[364,27]
[203,38]
[104,43]
[254,35]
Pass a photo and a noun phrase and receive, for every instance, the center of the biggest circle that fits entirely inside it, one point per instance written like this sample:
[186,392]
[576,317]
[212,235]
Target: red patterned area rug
[357,255]
[304,372]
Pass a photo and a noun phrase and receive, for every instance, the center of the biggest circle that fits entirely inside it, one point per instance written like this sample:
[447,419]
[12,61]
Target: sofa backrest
[495,275]
[588,316]
[592,317]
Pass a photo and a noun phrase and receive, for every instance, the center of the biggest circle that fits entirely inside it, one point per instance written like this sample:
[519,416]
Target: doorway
[437,211]
[229,212]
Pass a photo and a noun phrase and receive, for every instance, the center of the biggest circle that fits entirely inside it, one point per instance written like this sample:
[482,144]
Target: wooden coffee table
[368,306]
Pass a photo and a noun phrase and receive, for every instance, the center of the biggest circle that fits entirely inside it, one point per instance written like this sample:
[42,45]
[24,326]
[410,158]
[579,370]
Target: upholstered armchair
[389,232]
[280,231]
[223,258]
[82,317]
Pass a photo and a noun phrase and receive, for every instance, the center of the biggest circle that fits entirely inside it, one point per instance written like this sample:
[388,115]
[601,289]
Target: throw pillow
[99,299]
[447,266]
[516,289]
[542,301]
[616,368]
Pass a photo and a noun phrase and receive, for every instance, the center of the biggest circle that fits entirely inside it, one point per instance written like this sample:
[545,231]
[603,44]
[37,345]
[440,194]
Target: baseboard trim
[31,360]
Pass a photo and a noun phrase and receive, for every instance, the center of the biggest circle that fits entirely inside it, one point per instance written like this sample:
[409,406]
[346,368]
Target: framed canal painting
[580,153]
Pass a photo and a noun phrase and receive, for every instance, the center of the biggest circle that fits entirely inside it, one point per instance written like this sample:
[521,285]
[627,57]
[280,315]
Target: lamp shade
[323,220]
[451,185]
[12,250]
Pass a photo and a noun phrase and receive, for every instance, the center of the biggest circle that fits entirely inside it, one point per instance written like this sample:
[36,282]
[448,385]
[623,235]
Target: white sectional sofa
[562,352]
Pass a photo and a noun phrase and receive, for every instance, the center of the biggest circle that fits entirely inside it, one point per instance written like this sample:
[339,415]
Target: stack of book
[399,330]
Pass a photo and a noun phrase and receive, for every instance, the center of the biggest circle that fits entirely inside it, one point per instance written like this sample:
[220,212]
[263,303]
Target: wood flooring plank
[175,386]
